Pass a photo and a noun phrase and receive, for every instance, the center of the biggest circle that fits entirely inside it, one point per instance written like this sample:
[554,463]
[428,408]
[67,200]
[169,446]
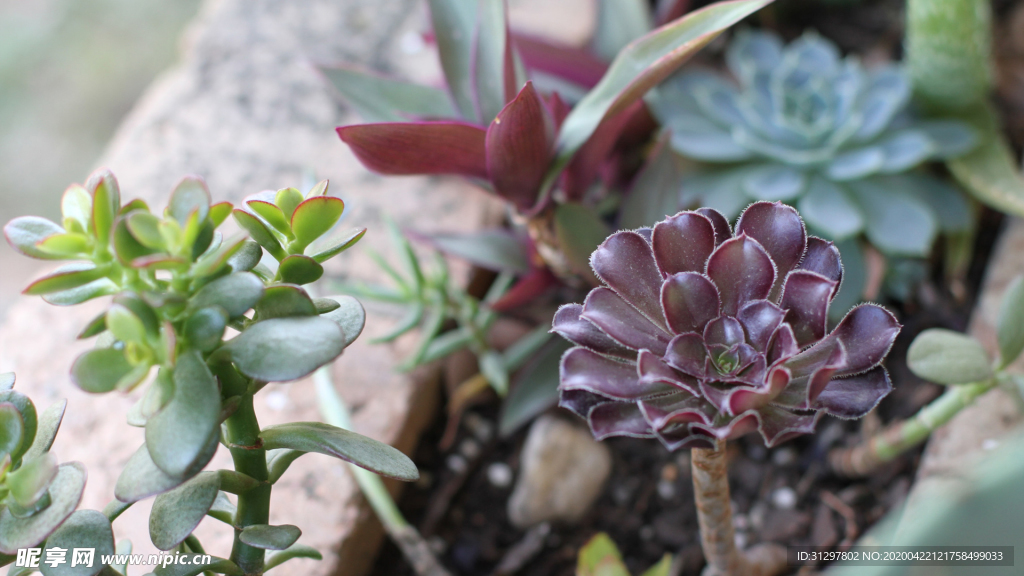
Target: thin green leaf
[349,446]
[1010,326]
[67,277]
[491,249]
[454,24]
[330,245]
[492,366]
[534,390]
[619,22]
[600,557]
[523,349]
[379,99]
[294,551]
[580,230]
[410,320]
[446,344]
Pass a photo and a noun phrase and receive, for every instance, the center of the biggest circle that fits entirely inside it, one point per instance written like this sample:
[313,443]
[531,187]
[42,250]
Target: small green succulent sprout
[800,124]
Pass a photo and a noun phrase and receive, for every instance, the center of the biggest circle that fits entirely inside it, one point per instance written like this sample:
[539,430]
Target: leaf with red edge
[805,299]
[683,243]
[593,154]
[779,230]
[616,318]
[690,300]
[314,217]
[567,62]
[536,282]
[329,246]
[419,148]
[106,201]
[569,324]
[742,271]
[189,195]
[866,332]
[519,142]
[259,232]
[66,277]
[586,370]
[643,64]
[26,232]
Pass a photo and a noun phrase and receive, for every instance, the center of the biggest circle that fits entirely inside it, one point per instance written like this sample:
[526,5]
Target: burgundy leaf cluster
[702,332]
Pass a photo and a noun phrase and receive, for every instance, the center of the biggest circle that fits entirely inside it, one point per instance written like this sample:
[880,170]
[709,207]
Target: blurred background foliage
[69,72]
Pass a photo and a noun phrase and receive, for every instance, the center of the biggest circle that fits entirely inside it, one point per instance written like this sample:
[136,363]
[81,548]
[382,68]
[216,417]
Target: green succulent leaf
[270,537]
[897,223]
[259,232]
[141,478]
[246,258]
[178,435]
[299,269]
[145,228]
[314,217]
[293,551]
[534,389]
[100,369]
[619,22]
[491,249]
[83,293]
[76,205]
[106,202]
[349,446]
[12,429]
[83,529]
[330,245]
[325,305]
[272,215]
[178,512]
[600,557]
[278,462]
[7,381]
[283,349]
[25,233]
[219,212]
[125,325]
[49,423]
[235,293]
[65,492]
[29,482]
[287,199]
[492,366]
[214,261]
[68,245]
[223,509]
[29,420]
[378,99]
[283,301]
[190,195]
[949,50]
[1010,326]
[204,329]
[948,357]
[349,315]
[66,277]
[454,24]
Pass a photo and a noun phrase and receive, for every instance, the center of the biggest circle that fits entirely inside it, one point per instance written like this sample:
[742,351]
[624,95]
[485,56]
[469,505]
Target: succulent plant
[803,125]
[702,333]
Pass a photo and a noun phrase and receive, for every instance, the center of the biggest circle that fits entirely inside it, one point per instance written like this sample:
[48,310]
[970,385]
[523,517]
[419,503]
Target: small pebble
[469,448]
[669,472]
[757,514]
[741,540]
[683,460]
[666,489]
[784,457]
[499,475]
[478,426]
[646,533]
[276,400]
[741,522]
[989,444]
[456,463]
[784,498]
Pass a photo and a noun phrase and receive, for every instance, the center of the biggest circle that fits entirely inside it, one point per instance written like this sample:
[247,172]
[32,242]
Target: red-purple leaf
[587,370]
[611,419]
[683,243]
[518,146]
[687,353]
[867,332]
[526,289]
[779,230]
[573,64]
[651,370]
[777,425]
[760,318]
[805,299]
[742,271]
[609,312]
[626,263]
[822,257]
[419,148]
[569,325]
[690,300]
[855,396]
[722,230]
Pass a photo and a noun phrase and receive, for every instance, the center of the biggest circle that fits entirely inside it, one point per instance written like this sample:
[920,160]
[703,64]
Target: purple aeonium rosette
[703,333]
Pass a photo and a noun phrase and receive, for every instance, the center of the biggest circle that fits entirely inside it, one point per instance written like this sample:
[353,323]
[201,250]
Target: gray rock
[561,473]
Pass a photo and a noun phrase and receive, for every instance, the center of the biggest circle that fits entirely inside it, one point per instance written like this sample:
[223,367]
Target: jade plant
[199,325]
[799,123]
[701,334]
[951,359]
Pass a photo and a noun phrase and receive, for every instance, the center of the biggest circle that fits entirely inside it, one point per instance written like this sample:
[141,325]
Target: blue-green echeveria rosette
[800,124]
[701,332]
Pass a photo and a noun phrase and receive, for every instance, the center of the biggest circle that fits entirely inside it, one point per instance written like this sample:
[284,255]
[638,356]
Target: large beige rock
[247,110]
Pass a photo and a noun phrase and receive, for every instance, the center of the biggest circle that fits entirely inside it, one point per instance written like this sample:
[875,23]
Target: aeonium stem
[714,515]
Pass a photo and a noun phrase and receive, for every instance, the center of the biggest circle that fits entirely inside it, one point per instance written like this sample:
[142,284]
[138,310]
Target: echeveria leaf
[235,293]
[340,443]
[828,209]
[29,420]
[178,435]
[49,423]
[294,551]
[1010,326]
[285,300]
[349,315]
[379,99]
[282,349]
[99,370]
[178,512]
[948,357]
[83,529]
[270,537]
[644,63]
[896,223]
[65,492]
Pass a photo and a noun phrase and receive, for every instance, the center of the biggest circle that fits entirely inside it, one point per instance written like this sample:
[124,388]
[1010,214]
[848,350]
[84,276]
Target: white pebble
[456,463]
[469,448]
[499,475]
[784,498]
[666,489]
[989,444]
[741,540]
[276,400]
[741,522]
[784,457]
[479,426]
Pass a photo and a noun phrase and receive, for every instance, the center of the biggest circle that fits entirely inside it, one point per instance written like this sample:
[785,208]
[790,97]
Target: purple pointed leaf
[687,353]
[573,64]
[626,264]
[689,301]
[822,257]
[616,318]
[807,382]
[419,148]
[652,370]
[721,224]
[760,319]
[724,330]
[568,324]
[618,419]
[683,243]
[587,370]
[666,411]
[779,230]
[518,146]
[805,298]
[579,401]
[855,396]
[783,344]
[738,426]
[752,368]
[742,271]
[739,400]
[777,425]
[867,332]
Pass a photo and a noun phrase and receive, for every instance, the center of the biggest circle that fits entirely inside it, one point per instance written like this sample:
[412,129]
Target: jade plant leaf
[99,370]
[65,493]
[66,277]
[349,446]
[948,357]
[29,420]
[83,293]
[283,349]
[29,482]
[349,315]
[83,529]
[643,64]
[330,245]
[1010,326]
[235,293]
[223,510]
[49,423]
[379,99]
[293,551]
[283,301]
[106,202]
[26,232]
[205,327]
[270,537]
[246,258]
[271,214]
[300,269]
[141,478]
[7,381]
[178,512]
[190,194]
[12,429]
[178,435]
[314,217]
[259,232]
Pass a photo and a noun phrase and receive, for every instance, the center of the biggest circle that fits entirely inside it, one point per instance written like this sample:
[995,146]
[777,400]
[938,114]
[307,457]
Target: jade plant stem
[714,514]
[250,458]
[413,546]
[899,437]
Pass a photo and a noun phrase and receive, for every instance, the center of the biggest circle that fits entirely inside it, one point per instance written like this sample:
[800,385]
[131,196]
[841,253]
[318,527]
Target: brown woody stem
[714,514]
